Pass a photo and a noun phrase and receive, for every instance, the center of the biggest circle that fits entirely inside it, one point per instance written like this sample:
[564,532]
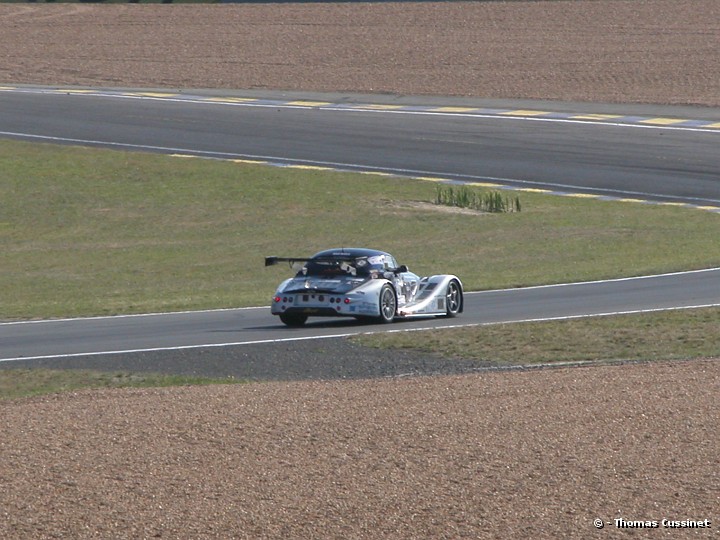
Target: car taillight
[347,300]
[277,299]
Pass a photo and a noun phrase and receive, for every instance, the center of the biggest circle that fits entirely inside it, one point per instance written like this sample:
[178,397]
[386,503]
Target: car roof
[349,252]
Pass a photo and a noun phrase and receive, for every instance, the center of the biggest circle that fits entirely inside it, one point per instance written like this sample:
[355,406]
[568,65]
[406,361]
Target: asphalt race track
[659,155]
[653,153]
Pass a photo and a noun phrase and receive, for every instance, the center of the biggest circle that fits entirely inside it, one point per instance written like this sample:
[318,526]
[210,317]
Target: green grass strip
[19,383]
[97,232]
[667,335]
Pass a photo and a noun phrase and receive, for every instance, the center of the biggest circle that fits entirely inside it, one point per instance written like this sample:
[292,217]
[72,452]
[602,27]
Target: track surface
[638,160]
[226,336]
[622,160]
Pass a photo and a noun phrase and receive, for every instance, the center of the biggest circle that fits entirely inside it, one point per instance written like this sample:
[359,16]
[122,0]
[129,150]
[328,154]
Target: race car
[362,283]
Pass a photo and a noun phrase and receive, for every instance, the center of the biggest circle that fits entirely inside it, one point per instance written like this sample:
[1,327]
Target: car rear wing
[272,261]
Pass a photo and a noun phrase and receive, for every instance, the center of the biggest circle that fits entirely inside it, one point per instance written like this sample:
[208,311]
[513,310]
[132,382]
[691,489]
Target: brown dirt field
[524,454]
[531,454]
[653,51]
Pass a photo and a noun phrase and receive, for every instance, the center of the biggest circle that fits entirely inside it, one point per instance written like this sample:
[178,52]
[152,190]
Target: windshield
[346,266]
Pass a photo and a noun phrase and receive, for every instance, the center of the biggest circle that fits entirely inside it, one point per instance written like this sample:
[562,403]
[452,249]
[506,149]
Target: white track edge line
[248,308]
[348,334]
[609,280]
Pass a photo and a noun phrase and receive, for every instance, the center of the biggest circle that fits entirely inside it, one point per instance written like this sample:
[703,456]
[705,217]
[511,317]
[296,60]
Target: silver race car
[361,283]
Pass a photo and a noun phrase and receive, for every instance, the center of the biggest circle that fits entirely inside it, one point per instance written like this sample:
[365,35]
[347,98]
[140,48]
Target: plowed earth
[653,51]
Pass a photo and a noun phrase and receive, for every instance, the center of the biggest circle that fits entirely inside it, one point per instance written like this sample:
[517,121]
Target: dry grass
[652,336]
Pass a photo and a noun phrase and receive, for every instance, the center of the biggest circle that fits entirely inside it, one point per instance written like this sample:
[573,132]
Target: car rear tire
[293,319]
[453,299]
[387,305]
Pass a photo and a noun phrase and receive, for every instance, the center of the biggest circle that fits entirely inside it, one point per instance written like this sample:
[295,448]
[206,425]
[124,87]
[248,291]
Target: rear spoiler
[272,261]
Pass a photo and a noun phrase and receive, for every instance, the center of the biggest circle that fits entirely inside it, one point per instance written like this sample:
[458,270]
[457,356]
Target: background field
[620,51]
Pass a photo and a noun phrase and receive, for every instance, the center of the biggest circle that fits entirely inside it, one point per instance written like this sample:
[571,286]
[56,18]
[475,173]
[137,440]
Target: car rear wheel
[293,319]
[453,299]
[388,304]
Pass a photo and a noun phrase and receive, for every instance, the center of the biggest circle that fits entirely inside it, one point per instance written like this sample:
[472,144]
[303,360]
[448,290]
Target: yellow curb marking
[372,173]
[534,190]
[583,195]
[596,116]
[250,161]
[309,103]
[310,168]
[454,109]
[525,113]
[662,121]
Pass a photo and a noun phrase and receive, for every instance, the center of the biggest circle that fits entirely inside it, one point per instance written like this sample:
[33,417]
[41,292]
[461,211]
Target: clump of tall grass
[483,201]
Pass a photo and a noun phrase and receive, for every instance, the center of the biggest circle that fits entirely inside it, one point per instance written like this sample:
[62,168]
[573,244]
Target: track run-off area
[637,154]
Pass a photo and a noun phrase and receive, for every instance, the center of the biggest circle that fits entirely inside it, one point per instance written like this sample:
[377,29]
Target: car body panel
[347,282]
